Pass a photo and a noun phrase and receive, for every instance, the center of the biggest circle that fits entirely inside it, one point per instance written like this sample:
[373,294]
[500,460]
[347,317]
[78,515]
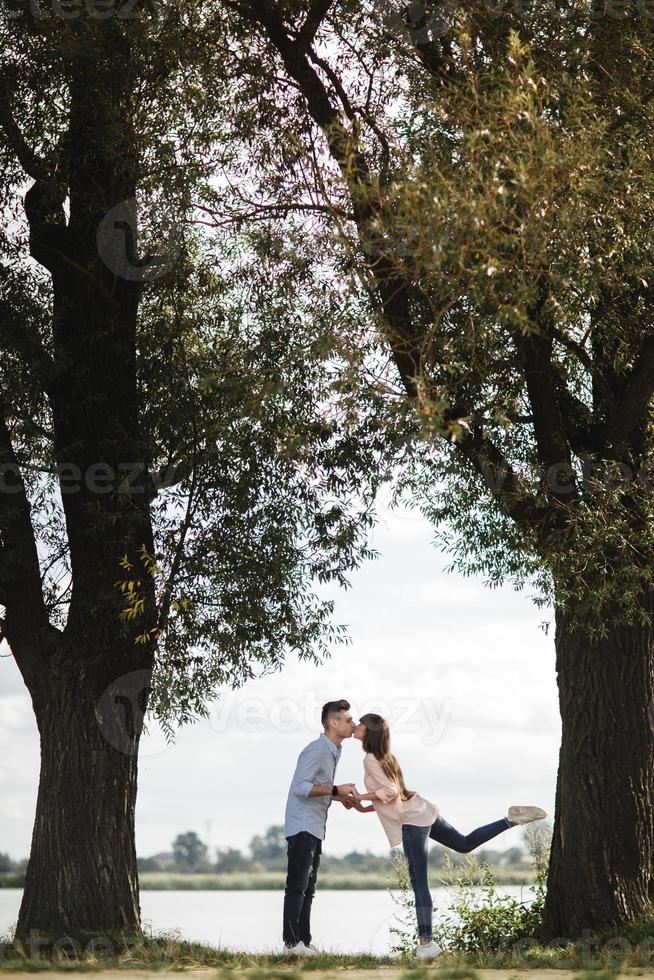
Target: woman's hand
[358,805]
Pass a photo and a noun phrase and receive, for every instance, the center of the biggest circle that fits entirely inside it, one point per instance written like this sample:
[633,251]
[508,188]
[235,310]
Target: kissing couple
[406,817]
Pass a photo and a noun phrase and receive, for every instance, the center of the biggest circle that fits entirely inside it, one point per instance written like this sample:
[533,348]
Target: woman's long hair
[377,739]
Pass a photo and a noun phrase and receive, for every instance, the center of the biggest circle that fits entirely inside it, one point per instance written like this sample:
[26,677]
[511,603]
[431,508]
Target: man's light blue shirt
[316,764]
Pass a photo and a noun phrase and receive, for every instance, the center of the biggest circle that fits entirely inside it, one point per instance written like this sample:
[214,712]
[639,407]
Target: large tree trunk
[81,877]
[603,845]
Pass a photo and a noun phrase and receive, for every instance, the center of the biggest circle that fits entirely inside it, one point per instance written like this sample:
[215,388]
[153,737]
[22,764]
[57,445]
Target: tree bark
[89,681]
[82,878]
[600,869]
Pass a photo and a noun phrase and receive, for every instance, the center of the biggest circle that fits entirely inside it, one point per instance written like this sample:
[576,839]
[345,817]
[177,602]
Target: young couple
[406,817]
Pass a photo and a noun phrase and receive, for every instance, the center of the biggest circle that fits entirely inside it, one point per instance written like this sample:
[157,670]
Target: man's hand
[345,795]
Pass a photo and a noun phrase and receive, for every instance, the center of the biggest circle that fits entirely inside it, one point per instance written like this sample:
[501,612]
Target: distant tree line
[8,864]
[267,852]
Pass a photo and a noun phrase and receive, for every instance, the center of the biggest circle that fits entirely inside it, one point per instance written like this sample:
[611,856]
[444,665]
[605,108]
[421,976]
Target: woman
[411,820]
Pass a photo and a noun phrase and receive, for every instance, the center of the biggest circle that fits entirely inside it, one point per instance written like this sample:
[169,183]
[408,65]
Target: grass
[167,951]
[256,880]
[253,881]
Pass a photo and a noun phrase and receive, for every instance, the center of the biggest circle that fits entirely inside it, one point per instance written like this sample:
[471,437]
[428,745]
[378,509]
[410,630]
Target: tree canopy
[484,177]
[258,471]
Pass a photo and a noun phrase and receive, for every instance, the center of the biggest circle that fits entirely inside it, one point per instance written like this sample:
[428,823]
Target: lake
[342,921]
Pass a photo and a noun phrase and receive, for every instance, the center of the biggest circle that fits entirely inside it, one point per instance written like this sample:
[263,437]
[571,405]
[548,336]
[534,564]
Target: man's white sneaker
[525,814]
[427,951]
[301,950]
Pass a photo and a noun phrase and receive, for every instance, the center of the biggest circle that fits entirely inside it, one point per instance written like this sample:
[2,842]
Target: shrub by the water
[479,919]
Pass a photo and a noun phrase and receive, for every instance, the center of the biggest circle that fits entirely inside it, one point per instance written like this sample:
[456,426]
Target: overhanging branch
[638,395]
[31,163]
[20,577]
[17,333]
[394,289]
[317,13]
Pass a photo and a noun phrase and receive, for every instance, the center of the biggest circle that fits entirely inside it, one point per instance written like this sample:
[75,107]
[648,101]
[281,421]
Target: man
[309,798]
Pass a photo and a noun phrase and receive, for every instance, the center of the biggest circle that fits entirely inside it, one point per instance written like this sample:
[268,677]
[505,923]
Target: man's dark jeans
[304,850]
[415,843]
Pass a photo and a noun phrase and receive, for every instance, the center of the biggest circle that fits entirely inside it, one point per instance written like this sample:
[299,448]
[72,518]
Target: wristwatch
[334,790]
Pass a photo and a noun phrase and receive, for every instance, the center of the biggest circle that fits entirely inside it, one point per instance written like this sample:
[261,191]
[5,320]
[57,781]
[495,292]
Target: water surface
[342,920]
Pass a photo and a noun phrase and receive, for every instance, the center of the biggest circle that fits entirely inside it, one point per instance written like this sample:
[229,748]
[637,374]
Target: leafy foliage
[479,919]
[259,463]
[483,180]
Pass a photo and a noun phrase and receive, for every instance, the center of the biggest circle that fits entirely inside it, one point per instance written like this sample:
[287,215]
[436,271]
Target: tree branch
[17,333]
[44,199]
[31,163]
[394,290]
[317,13]
[601,384]
[504,483]
[20,577]
[636,399]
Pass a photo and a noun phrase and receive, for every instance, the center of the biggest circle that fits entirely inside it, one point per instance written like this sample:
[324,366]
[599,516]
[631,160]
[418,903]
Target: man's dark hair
[333,708]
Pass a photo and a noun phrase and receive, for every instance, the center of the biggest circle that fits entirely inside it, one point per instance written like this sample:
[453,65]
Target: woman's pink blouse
[391,810]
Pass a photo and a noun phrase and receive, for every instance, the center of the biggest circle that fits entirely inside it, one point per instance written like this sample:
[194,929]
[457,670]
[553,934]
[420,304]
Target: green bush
[478,919]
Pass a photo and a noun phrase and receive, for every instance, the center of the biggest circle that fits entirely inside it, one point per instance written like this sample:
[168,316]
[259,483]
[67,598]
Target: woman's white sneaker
[301,950]
[525,814]
[427,951]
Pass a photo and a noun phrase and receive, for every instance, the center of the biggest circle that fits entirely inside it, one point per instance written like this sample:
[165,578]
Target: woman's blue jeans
[415,843]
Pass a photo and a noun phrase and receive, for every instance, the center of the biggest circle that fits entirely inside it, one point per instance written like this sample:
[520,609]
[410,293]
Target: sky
[465,675]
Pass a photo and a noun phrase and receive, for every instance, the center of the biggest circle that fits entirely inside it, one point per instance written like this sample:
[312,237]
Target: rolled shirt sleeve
[316,765]
[376,781]
[386,794]
[309,766]
[303,788]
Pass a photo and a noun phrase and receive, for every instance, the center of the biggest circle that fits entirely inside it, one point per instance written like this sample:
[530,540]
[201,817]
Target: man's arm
[345,791]
[307,767]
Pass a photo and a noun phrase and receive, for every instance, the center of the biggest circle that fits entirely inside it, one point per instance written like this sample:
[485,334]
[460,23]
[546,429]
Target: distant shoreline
[260,880]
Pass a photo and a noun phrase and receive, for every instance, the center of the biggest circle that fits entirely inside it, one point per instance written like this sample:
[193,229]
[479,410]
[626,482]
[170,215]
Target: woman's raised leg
[446,834]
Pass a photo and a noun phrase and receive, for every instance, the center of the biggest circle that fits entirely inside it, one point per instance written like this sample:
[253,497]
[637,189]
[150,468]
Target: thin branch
[166,599]
[18,334]
[394,290]
[317,13]
[20,576]
[586,360]
[348,108]
[637,396]
[30,161]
